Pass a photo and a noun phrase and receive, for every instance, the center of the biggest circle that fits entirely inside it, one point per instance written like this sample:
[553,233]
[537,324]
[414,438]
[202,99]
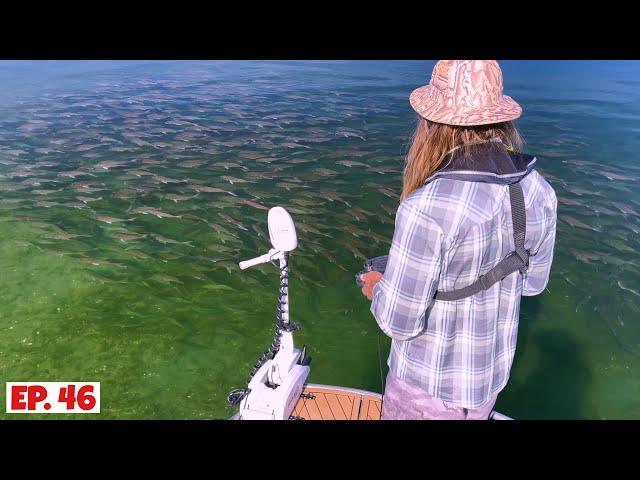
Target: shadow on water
[549,378]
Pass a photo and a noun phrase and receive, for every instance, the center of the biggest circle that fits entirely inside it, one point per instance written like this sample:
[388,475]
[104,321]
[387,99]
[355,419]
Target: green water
[157,310]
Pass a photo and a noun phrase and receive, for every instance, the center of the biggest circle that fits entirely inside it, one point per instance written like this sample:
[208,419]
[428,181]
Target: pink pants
[403,401]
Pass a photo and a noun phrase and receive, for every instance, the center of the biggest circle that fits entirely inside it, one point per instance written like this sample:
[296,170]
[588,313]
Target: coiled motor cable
[236,395]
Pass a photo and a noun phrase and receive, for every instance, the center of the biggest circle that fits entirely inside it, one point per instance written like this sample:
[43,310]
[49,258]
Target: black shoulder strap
[515,261]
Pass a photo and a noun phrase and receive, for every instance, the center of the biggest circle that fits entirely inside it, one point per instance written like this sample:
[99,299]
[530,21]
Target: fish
[598,209]
[570,202]
[84,148]
[125,194]
[289,185]
[166,180]
[100,262]
[234,180]
[298,161]
[585,257]
[139,172]
[383,170]
[137,254]
[267,175]
[356,232]
[334,197]
[253,204]
[229,265]
[304,202]
[343,132]
[166,240]
[75,173]
[44,192]
[227,165]
[34,182]
[304,227]
[632,228]
[302,211]
[88,187]
[48,204]
[388,192]
[625,208]
[635,292]
[167,256]
[615,176]
[379,238]
[233,221]
[190,216]
[62,235]
[109,164]
[293,145]
[255,194]
[584,300]
[325,171]
[354,250]
[126,237]
[156,163]
[216,247]
[86,200]
[581,163]
[620,246]
[205,189]
[389,210]
[154,211]
[11,188]
[217,286]
[574,222]
[191,163]
[179,198]
[351,163]
[222,233]
[111,220]
[359,213]
[582,191]
[15,152]
[385,219]
[161,277]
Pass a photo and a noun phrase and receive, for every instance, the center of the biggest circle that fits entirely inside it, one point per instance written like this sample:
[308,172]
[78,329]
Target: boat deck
[324,402]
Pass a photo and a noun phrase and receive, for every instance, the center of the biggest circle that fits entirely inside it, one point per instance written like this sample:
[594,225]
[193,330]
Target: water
[169,327]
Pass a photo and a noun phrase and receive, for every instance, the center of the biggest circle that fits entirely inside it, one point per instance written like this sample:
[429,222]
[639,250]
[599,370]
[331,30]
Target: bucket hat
[465,93]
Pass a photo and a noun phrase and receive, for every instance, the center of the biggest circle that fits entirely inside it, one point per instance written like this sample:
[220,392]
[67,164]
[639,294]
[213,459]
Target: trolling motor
[279,374]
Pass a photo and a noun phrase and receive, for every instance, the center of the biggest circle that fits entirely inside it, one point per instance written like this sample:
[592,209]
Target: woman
[447,298]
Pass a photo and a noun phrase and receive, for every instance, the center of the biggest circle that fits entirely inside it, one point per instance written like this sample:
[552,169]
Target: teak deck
[337,403]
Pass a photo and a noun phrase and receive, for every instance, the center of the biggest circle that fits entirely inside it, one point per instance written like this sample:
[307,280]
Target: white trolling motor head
[282,231]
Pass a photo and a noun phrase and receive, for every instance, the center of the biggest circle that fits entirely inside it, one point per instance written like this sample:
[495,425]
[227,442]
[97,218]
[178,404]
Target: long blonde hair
[432,141]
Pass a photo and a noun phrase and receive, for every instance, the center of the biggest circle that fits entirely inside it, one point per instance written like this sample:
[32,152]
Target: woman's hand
[370,279]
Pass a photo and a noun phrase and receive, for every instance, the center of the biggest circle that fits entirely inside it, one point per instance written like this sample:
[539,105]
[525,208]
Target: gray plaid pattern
[447,234]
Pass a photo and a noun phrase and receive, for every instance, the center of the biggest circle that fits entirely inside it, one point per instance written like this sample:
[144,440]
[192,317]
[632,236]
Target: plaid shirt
[447,234]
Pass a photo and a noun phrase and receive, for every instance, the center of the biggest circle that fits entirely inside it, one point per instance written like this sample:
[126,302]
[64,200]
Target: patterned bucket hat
[466,93]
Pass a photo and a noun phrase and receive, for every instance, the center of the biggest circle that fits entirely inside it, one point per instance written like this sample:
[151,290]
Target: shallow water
[156,308]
